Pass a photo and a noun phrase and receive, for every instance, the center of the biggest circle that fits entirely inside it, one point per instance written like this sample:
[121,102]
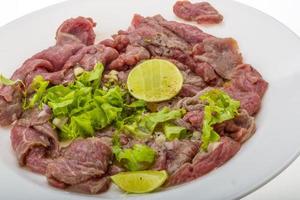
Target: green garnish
[81,107]
[39,85]
[139,157]
[172,131]
[143,125]
[7,81]
[87,107]
[219,108]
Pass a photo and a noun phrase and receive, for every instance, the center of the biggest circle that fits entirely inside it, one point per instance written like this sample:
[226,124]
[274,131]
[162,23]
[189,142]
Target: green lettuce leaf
[136,130]
[7,81]
[172,131]
[143,125]
[136,104]
[91,78]
[79,126]
[39,85]
[114,96]
[151,120]
[88,112]
[219,108]
[59,98]
[84,107]
[139,157]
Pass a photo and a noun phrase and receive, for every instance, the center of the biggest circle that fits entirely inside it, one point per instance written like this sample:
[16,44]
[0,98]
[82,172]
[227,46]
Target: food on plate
[156,105]
[202,12]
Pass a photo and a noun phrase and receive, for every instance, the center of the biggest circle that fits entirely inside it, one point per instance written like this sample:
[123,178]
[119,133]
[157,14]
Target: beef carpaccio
[98,146]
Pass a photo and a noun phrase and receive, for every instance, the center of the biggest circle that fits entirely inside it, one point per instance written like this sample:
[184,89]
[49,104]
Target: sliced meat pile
[221,54]
[197,54]
[239,129]
[184,162]
[202,13]
[247,86]
[82,166]
[173,154]
[10,104]
[34,140]
[218,153]
[74,46]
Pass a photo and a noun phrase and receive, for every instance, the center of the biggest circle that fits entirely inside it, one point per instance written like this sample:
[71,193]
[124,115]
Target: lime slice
[140,181]
[154,80]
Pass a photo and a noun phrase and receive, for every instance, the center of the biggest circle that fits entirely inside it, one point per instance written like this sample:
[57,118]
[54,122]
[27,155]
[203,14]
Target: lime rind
[140,181]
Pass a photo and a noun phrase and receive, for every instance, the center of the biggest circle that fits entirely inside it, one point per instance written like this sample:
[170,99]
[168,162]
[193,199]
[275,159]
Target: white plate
[265,43]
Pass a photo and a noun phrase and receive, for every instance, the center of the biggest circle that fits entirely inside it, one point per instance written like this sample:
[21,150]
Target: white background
[284,187]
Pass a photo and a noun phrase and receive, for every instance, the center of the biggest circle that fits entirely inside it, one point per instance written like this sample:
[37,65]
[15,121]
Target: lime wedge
[154,80]
[140,181]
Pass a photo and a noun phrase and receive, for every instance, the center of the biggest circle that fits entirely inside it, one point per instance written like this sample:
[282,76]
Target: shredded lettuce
[87,107]
[150,121]
[143,125]
[7,81]
[172,131]
[91,109]
[139,157]
[137,104]
[82,107]
[219,108]
[91,78]
[79,108]
[59,98]
[39,85]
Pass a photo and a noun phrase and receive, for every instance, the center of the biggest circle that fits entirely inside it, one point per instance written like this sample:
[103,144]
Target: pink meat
[118,42]
[161,156]
[80,27]
[189,90]
[93,186]
[115,169]
[202,13]
[247,79]
[249,101]
[195,118]
[81,163]
[58,55]
[180,152]
[132,56]
[37,160]
[247,86]
[99,53]
[29,66]
[205,162]
[88,56]
[240,129]
[34,140]
[10,110]
[189,33]
[35,116]
[222,54]
[33,148]
[164,39]
[54,78]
